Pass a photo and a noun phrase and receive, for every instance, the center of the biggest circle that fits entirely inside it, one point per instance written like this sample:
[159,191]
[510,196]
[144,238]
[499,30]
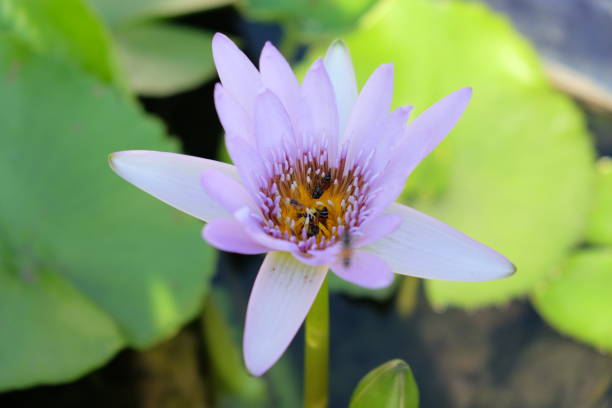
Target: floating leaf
[63,28]
[122,11]
[50,331]
[391,385]
[599,230]
[310,18]
[87,262]
[516,173]
[161,59]
[577,301]
[225,356]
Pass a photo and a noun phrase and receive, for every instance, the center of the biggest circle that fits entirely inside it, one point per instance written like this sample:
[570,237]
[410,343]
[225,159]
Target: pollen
[312,203]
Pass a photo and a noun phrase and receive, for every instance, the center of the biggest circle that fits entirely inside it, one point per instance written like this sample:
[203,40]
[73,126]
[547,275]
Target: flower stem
[316,351]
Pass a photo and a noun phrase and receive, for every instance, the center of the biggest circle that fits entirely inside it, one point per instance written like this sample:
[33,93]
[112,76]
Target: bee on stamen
[347,252]
[312,230]
[323,213]
[322,185]
[296,203]
[327,178]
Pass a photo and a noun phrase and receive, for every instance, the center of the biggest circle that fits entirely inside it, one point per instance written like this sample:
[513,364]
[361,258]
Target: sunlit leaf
[121,11]
[310,19]
[391,385]
[50,331]
[161,59]
[599,230]
[63,28]
[87,261]
[225,356]
[577,301]
[516,173]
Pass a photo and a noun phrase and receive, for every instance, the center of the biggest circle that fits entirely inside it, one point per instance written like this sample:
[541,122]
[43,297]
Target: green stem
[316,351]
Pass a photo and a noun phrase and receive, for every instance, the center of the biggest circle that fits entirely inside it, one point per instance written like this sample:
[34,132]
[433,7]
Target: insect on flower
[318,166]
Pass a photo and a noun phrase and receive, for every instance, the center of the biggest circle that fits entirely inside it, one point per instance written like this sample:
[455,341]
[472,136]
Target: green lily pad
[577,302]
[50,331]
[65,29]
[162,59]
[599,230]
[121,11]
[390,385]
[516,172]
[88,263]
[310,19]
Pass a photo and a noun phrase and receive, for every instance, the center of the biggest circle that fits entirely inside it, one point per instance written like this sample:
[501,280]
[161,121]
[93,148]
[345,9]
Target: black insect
[306,215]
[317,191]
[321,185]
[326,179]
[347,251]
[312,230]
[323,213]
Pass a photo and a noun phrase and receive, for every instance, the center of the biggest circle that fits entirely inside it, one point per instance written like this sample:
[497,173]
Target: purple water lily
[318,167]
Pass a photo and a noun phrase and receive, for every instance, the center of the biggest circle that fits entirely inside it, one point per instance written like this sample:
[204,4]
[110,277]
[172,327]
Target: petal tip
[338,44]
[117,159]
[111,158]
[219,38]
[503,268]
[511,270]
[268,49]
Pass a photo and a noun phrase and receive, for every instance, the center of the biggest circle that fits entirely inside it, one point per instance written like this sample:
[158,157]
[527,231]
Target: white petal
[226,191]
[273,129]
[173,178]
[342,75]
[277,76]
[364,269]
[238,75]
[232,115]
[427,248]
[281,297]
[319,97]
[371,107]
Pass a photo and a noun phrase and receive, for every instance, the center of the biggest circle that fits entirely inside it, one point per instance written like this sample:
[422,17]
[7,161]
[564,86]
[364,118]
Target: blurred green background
[110,298]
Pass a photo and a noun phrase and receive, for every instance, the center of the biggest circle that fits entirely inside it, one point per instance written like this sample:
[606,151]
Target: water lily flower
[318,166]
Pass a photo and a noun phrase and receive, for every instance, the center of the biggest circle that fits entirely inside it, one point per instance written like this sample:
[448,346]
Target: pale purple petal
[226,191]
[172,178]
[248,162]
[232,115]
[320,99]
[273,130]
[391,132]
[369,110]
[376,228]
[317,257]
[342,75]
[364,269]
[431,127]
[281,297]
[278,77]
[420,138]
[230,236]
[427,248]
[252,225]
[238,75]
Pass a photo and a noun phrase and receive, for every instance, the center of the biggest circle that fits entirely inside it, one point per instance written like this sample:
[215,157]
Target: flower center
[312,204]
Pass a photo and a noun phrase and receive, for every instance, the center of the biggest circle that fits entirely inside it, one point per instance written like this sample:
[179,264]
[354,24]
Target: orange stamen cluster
[311,203]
